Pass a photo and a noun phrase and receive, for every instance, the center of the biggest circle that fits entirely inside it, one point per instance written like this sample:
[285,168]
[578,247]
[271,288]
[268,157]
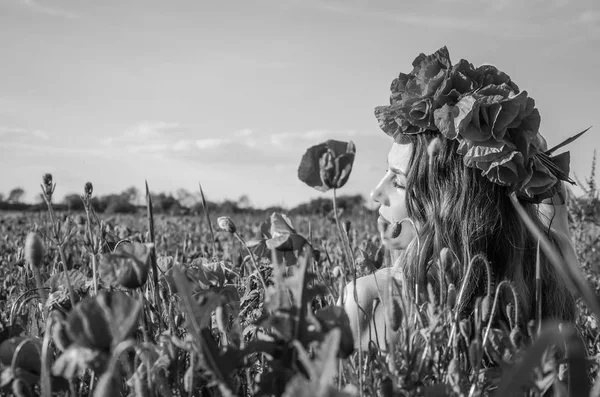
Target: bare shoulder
[362,308]
[368,287]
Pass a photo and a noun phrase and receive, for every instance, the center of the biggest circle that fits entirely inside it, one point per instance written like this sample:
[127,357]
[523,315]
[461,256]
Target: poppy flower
[327,165]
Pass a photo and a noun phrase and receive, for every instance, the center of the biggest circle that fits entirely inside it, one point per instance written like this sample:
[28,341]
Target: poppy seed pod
[34,250]
[226,224]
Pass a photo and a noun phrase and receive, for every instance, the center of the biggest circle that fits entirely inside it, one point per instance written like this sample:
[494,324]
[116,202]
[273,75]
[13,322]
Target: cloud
[36,6]
[182,144]
[589,16]
[22,134]
[29,141]
[283,140]
[244,132]
[145,131]
[170,140]
[25,148]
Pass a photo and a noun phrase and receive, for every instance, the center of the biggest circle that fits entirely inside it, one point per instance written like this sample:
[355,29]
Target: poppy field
[248,305]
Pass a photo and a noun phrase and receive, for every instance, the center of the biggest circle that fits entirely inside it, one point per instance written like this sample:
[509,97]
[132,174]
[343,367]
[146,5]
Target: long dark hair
[454,206]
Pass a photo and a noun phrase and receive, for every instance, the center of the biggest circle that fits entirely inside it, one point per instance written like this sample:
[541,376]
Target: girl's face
[391,194]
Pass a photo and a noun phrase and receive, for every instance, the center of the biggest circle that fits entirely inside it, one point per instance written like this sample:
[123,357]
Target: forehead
[399,156]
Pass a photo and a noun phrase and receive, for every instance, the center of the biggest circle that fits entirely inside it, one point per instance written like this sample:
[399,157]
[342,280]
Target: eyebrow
[396,170]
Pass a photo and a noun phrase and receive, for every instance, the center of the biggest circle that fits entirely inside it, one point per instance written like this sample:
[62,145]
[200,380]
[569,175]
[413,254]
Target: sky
[231,93]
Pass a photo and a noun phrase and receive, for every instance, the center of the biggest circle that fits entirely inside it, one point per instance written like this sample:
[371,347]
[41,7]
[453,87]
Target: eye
[397,184]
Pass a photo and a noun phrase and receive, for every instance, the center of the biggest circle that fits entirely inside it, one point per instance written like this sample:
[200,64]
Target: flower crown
[496,124]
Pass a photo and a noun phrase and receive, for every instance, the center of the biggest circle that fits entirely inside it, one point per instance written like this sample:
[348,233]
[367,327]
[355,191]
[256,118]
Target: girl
[465,138]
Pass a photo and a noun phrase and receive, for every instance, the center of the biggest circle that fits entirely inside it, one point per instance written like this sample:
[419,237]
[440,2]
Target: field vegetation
[145,296]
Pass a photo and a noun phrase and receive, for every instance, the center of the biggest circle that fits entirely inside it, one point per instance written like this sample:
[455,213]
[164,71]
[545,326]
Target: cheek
[399,212]
[398,206]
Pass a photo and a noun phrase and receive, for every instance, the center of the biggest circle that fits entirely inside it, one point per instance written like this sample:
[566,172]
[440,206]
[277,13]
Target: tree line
[182,202]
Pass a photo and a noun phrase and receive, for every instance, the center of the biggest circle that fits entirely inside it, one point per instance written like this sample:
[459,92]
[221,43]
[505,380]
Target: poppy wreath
[496,124]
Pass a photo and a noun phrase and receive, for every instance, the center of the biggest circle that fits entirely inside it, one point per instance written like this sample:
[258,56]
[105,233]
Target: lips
[382,224]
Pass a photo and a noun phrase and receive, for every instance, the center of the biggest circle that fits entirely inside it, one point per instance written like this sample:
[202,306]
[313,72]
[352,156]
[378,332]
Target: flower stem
[94,273]
[347,254]
[241,240]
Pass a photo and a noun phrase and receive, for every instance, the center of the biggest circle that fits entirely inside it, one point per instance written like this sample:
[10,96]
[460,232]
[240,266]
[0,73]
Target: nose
[379,195]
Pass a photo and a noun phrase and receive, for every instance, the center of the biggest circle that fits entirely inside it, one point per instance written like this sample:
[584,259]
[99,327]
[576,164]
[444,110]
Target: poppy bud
[510,313]
[337,272]
[373,351]
[474,350]
[451,296]
[465,328]
[88,189]
[395,314]
[226,224]
[222,318]
[34,250]
[517,337]
[317,255]
[431,295]
[347,227]
[47,185]
[486,308]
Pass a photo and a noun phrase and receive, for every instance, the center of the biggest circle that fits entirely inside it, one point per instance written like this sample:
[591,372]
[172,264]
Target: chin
[393,244]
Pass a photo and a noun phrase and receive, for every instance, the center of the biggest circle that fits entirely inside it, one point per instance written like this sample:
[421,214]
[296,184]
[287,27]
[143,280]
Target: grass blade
[150,216]
[205,208]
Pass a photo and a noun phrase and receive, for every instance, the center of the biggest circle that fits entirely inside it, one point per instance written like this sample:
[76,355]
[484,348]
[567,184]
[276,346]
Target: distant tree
[73,202]
[244,202]
[185,198]
[1,197]
[162,202]
[131,194]
[228,207]
[117,204]
[213,208]
[322,205]
[16,195]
